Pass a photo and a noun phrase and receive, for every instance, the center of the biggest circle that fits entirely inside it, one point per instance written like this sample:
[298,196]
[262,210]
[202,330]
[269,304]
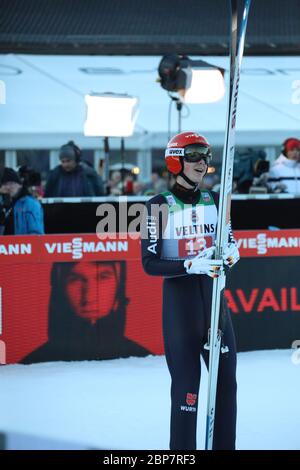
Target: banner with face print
[75,297]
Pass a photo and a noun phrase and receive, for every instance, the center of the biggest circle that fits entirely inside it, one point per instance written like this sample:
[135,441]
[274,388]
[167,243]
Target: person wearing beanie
[284,174]
[23,214]
[73,177]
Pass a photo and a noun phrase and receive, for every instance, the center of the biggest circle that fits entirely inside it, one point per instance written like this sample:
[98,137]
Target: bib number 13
[193,246]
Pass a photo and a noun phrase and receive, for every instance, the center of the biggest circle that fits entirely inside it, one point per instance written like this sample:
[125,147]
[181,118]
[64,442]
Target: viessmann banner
[75,297]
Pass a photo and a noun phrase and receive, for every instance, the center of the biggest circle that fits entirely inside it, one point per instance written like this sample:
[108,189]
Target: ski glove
[203,264]
[231,254]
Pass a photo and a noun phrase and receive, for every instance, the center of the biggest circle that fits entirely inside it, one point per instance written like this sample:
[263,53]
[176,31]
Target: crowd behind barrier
[75,177]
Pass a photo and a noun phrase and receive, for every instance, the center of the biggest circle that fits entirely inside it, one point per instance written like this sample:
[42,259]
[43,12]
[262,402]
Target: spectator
[115,184]
[128,185]
[73,178]
[157,185]
[248,165]
[154,178]
[138,188]
[23,215]
[161,185]
[210,181]
[284,175]
[32,180]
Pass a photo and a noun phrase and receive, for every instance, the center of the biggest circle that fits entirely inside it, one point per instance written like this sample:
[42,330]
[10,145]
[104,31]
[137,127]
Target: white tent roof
[45,97]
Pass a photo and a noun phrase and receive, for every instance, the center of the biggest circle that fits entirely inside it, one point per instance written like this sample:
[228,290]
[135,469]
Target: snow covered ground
[124,404]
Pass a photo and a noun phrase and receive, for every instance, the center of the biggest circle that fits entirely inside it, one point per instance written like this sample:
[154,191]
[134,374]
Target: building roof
[144,27]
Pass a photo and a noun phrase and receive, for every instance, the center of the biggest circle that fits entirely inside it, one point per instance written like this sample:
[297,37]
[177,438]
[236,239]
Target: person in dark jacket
[73,178]
[87,314]
[178,243]
[21,214]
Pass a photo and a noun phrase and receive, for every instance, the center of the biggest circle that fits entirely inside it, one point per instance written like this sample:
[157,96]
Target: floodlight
[110,115]
[195,81]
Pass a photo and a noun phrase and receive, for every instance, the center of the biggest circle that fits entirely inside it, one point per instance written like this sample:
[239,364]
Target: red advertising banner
[39,249]
[28,249]
[75,297]
[254,243]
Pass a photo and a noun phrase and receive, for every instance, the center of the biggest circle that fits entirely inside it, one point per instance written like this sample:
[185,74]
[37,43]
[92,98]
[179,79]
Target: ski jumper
[167,240]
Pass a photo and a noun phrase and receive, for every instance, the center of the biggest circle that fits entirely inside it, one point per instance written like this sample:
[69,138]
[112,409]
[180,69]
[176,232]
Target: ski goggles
[196,153]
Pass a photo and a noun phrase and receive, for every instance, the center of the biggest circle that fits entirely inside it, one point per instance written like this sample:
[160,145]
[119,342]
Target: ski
[223,228]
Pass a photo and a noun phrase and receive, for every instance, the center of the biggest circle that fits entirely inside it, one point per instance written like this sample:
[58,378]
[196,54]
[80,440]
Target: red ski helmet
[290,144]
[176,149]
